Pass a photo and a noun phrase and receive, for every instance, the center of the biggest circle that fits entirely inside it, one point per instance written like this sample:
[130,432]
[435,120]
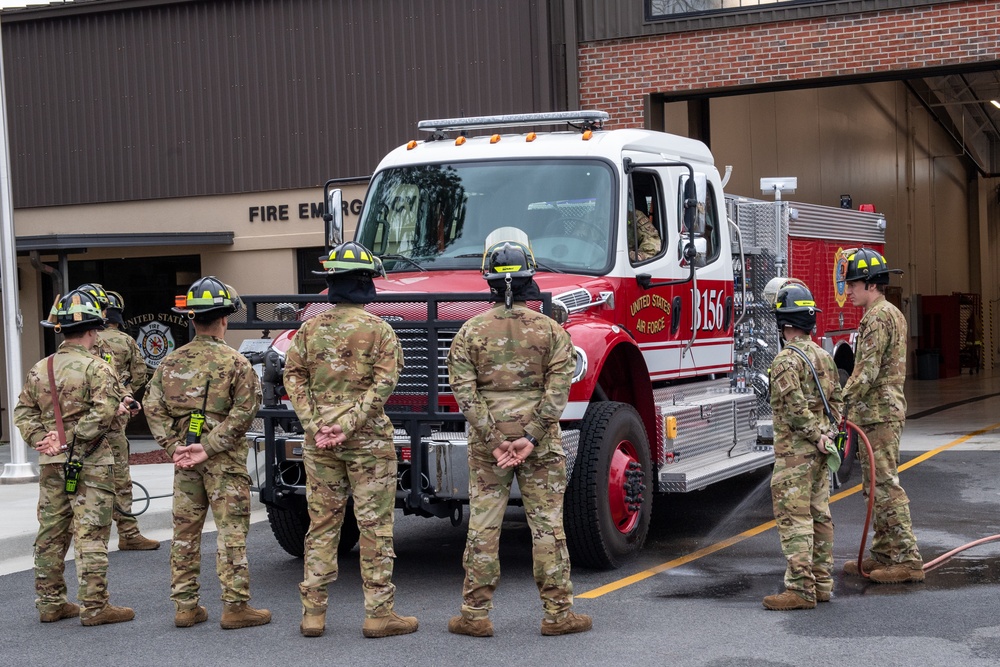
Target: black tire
[291,525]
[603,529]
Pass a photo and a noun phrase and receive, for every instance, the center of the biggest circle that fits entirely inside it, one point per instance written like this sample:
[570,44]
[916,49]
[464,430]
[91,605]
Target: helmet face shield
[508,255]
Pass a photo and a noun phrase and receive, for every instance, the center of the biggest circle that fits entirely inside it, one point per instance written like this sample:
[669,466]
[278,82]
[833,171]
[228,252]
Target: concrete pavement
[934,407]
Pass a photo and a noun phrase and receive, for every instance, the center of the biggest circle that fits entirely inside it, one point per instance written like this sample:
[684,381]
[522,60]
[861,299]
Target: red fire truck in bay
[672,333]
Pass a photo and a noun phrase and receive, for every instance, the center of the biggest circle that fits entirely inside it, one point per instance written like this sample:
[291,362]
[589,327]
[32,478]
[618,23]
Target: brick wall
[615,75]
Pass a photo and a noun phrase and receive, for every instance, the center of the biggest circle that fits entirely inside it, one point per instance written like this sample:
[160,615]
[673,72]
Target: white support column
[19,470]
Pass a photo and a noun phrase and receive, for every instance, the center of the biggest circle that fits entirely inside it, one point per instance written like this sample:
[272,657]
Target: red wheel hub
[626,482]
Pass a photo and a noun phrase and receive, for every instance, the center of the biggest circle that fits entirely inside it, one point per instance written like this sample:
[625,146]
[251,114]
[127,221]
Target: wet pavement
[693,596]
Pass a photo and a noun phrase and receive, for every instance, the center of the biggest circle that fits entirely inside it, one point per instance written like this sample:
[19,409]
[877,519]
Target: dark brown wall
[168,99]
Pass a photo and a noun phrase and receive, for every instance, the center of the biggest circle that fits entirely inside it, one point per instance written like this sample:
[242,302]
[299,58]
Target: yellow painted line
[747,534]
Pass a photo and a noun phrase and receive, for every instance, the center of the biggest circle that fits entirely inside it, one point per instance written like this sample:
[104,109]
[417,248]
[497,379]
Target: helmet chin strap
[508,295]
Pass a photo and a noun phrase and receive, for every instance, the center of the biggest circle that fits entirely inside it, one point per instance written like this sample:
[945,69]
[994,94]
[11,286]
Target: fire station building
[155,141]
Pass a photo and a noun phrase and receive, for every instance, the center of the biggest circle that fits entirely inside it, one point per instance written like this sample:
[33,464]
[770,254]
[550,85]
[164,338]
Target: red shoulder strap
[55,403]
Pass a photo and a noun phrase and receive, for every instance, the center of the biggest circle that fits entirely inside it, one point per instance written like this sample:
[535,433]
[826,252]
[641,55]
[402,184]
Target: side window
[706,231]
[645,237]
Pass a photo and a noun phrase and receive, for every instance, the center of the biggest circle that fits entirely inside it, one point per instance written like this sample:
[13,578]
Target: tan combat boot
[823,596]
[567,625]
[241,615]
[788,601]
[67,610]
[473,627]
[313,623]
[185,618]
[869,564]
[898,574]
[389,626]
[110,614]
[136,542]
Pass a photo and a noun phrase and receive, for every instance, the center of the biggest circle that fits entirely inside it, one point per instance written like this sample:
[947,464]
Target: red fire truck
[671,331]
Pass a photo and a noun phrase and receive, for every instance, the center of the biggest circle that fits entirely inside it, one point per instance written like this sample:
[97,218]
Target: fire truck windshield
[437,217]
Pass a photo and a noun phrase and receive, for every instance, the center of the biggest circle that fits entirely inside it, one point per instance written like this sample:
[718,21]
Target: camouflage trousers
[127,525]
[84,517]
[800,495]
[228,495]
[542,482]
[893,541]
[332,476]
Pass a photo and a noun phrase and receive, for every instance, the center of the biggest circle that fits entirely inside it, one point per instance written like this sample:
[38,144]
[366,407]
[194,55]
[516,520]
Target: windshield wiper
[403,258]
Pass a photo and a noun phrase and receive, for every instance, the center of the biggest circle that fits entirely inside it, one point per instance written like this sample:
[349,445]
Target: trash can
[927,364]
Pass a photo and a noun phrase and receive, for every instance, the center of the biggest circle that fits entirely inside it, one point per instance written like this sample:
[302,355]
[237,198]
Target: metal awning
[60,243]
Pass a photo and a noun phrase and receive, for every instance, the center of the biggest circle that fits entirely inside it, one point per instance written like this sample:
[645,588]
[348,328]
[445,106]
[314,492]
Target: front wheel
[291,525]
[609,498]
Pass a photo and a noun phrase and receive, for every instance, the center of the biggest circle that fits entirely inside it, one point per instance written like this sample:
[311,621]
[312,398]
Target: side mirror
[333,219]
[694,203]
[692,252]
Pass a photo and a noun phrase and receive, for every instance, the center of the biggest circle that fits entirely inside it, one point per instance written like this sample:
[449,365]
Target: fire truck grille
[418,368]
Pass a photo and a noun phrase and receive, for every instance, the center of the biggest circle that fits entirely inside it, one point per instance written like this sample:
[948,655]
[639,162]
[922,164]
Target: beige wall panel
[675,118]
[731,129]
[244,215]
[798,143]
[763,139]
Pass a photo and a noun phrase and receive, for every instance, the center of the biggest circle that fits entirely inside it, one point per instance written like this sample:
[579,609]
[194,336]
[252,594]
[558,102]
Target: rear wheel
[291,525]
[608,505]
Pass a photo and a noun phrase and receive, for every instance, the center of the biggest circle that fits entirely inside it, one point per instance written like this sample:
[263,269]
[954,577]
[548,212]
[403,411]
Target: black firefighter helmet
[78,311]
[208,296]
[868,265]
[794,306]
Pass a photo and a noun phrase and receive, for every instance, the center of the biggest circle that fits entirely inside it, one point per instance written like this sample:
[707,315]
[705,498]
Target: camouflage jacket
[88,399]
[799,415]
[649,238]
[121,351]
[341,368]
[874,392]
[510,371]
[126,358]
[177,389]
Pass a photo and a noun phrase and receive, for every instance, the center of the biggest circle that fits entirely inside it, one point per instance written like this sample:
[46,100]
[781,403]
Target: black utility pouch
[72,470]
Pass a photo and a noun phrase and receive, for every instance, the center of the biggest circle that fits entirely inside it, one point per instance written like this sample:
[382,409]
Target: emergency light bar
[588,118]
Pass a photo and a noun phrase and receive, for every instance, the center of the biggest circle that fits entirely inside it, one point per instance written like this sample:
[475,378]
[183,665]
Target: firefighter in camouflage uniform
[875,402]
[510,369]
[340,370]
[121,351]
[803,431]
[76,484]
[199,405]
